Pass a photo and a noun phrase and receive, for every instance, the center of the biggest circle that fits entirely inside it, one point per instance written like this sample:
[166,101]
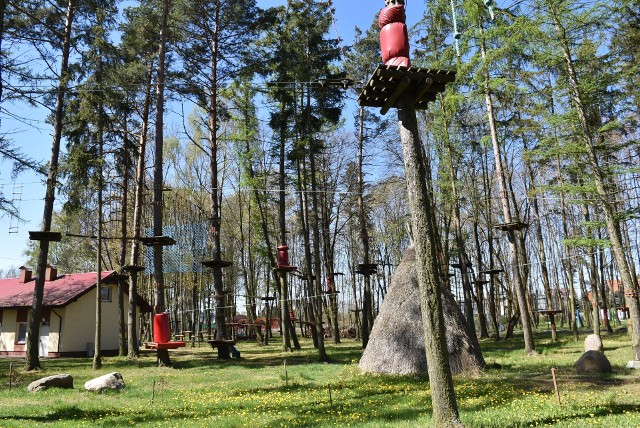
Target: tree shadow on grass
[70,413]
[601,411]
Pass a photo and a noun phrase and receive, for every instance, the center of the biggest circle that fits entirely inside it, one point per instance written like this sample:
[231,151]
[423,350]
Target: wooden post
[286,374]
[555,385]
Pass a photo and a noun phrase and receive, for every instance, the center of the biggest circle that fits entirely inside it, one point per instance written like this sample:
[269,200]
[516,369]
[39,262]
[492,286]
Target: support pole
[445,409]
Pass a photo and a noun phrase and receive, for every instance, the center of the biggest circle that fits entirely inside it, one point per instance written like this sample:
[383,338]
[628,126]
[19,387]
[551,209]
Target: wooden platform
[36,235]
[515,225]
[389,82]
[132,268]
[218,343]
[367,268]
[491,271]
[458,265]
[165,345]
[114,278]
[217,263]
[550,312]
[151,241]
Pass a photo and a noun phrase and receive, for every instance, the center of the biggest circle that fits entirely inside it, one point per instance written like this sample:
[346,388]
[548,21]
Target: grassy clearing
[260,391]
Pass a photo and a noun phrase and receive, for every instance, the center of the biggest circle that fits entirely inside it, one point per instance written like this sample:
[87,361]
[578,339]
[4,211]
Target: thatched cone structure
[396,345]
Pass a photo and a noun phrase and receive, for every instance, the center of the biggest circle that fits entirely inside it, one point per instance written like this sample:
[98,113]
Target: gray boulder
[109,381]
[55,381]
[593,342]
[593,362]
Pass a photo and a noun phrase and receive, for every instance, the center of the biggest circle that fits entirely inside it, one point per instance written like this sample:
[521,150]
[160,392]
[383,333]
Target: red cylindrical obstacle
[394,39]
[283,255]
[330,285]
[161,333]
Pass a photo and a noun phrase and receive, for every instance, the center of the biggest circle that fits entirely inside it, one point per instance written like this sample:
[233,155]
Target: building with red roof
[68,313]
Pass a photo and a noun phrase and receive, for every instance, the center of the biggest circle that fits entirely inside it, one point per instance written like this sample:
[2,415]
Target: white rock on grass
[633,364]
[109,381]
[593,342]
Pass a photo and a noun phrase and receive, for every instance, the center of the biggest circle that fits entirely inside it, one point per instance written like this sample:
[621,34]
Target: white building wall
[8,330]
[79,320]
[77,328]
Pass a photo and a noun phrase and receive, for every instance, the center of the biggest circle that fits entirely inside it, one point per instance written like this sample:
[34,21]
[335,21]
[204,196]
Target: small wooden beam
[402,86]
[424,87]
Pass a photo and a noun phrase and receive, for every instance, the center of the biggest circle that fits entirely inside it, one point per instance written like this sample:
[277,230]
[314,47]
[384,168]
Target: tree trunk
[612,223]
[122,283]
[304,216]
[317,265]
[97,353]
[134,350]
[506,212]
[32,362]
[463,259]
[364,235]
[480,299]
[445,408]
[542,255]
[216,194]
[158,180]
[282,222]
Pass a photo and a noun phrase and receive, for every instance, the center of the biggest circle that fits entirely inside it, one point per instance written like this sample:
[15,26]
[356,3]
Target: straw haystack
[396,343]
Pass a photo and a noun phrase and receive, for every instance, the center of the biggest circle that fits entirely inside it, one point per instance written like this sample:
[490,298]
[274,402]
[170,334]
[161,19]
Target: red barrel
[161,333]
[283,256]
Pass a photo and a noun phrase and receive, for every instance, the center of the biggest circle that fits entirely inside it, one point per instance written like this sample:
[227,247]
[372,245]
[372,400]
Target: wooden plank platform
[217,343]
[114,278]
[367,268]
[165,345]
[515,225]
[389,82]
[132,268]
[550,312]
[150,241]
[491,271]
[37,235]
[217,263]
[458,265]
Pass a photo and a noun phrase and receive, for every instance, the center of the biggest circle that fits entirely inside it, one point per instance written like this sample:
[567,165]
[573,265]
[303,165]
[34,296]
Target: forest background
[535,79]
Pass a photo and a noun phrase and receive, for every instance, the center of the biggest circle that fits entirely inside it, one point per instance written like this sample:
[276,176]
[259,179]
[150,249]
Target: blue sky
[34,137]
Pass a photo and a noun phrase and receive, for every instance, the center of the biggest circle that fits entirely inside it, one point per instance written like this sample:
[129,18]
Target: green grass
[260,391]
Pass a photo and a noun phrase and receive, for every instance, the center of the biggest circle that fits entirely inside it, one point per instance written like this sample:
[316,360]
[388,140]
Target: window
[21,326]
[105,294]
[21,334]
